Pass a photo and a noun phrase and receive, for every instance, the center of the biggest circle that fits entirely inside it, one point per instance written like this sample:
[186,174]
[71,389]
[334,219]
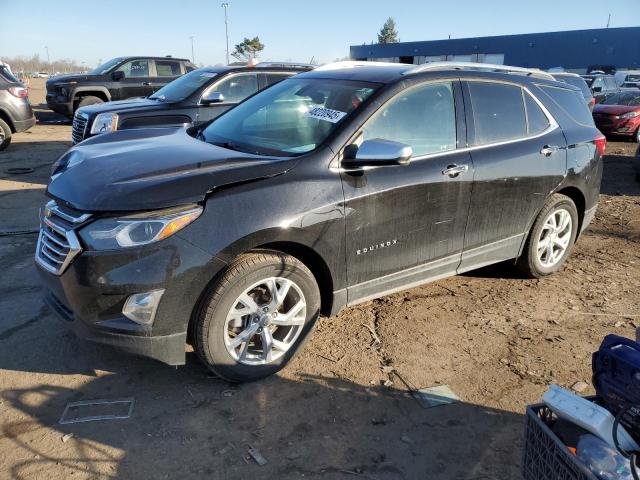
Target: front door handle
[146,84]
[455,170]
[547,150]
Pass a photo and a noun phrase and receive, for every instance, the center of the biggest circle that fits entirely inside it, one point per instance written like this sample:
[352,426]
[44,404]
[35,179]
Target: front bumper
[622,127]
[91,292]
[60,104]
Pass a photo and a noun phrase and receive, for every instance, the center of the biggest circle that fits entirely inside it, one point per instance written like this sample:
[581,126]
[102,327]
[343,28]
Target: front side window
[167,68]
[498,112]
[276,77]
[423,117]
[237,87]
[291,118]
[135,68]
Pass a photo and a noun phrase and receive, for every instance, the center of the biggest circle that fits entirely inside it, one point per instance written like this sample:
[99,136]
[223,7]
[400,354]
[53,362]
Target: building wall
[573,50]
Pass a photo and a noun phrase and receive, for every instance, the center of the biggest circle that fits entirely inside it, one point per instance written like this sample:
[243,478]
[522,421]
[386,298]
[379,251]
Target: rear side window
[537,121]
[571,102]
[276,77]
[498,112]
[167,68]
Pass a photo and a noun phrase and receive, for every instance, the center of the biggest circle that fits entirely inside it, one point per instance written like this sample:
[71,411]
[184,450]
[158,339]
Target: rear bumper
[24,125]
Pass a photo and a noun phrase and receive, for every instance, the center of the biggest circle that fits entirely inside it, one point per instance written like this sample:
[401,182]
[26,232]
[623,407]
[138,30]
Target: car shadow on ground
[187,423]
[45,116]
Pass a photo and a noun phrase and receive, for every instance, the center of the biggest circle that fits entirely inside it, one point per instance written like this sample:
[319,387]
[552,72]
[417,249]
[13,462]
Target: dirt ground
[496,339]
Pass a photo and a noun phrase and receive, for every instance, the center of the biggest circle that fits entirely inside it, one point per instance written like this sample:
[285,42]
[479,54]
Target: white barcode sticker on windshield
[326,114]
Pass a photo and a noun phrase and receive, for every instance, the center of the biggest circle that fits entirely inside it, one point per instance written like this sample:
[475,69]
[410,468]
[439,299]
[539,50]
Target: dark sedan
[193,99]
[619,115]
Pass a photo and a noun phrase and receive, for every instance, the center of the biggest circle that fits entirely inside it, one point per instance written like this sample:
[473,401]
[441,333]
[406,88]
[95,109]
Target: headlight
[105,122]
[629,114]
[139,229]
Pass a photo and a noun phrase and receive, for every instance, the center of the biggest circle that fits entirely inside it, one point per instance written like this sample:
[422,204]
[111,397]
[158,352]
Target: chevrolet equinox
[330,188]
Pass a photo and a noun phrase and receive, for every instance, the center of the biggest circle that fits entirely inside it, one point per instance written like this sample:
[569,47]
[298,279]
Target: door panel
[405,224]
[137,79]
[512,180]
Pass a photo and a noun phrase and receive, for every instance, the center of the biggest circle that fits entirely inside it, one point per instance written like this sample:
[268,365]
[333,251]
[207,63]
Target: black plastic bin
[545,456]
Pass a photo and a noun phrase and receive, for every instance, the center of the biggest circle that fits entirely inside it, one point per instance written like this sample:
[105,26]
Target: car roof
[381,72]
[152,57]
[244,68]
[565,74]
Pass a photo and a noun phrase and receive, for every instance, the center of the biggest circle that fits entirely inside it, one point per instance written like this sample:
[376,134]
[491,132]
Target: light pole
[192,57]
[48,60]
[225,5]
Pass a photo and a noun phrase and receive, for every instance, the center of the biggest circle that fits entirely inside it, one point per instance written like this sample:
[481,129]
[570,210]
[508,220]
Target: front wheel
[551,237]
[256,316]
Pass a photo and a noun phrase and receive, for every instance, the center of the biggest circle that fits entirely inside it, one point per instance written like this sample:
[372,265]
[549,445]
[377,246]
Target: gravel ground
[342,408]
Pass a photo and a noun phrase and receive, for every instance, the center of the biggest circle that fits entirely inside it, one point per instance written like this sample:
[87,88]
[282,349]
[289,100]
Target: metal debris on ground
[228,393]
[19,170]
[66,437]
[435,396]
[226,449]
[94,410]
[257,456]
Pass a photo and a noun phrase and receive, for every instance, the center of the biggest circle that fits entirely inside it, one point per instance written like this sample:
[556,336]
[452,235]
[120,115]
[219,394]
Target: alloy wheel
[554,238]
[265,321]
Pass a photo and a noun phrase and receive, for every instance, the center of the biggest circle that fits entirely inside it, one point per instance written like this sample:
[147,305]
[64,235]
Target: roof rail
[533,72]
[285,64]
[354,63]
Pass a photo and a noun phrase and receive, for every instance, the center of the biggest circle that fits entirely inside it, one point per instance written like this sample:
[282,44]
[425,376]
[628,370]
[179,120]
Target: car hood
[74,77]
[615,109]
[121,105]
[154,168]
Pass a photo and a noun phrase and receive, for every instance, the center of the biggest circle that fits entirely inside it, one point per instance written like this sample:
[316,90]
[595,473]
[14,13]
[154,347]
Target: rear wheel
[5,135]
[551,238]
[256,317]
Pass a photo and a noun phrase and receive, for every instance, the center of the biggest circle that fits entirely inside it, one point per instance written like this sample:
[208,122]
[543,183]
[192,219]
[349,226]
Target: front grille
[79,127]
[58,244]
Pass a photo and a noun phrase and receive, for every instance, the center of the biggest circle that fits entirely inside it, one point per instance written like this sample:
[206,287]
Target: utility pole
[193,60]
[608,20]
[225,5]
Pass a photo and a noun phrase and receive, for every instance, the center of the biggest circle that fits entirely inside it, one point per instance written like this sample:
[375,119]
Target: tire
[538,261]
[636,136]
[221,328]
[88,100]
[5,135]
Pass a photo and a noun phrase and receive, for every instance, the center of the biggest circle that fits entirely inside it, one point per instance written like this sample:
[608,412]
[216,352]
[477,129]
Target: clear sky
[89,30]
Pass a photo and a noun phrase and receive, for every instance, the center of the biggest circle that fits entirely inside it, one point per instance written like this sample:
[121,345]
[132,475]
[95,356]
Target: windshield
[106,66]
[184,86]
[627,99]
[291,118]
[633,78]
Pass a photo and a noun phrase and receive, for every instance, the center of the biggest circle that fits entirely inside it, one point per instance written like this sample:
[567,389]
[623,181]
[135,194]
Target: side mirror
[212,97]
[117,76]
[376,153]
[597,89]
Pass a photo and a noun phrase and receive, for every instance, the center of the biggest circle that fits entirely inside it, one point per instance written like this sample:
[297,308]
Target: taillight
[601,144]
[19,92]
[592,103]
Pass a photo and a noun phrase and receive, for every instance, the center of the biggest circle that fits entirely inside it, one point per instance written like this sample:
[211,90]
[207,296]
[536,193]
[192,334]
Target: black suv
[193,99]
[16,114]
[327,189]
[602,85]
[117,79]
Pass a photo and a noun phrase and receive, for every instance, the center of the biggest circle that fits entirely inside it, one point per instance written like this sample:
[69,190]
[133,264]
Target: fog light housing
[141,307]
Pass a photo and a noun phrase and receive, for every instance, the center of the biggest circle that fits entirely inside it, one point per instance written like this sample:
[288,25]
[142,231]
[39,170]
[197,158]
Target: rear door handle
[146,84]
[547,150]
[455,170]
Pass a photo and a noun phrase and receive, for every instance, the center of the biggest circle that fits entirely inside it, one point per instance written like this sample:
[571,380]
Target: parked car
[624,76]
[577,81]
[619,115]
[636,164]
[118,79]
[16,114]
[626,85]
[195,98]
[40,75]
[330,188]
[602,86]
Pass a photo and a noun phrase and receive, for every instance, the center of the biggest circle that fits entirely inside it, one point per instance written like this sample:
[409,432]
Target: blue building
[575,50]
